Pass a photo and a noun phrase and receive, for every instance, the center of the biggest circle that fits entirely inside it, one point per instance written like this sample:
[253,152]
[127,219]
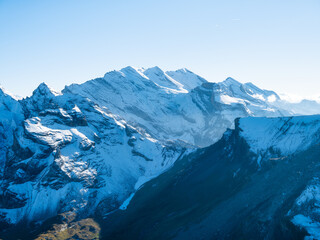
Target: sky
[274,44]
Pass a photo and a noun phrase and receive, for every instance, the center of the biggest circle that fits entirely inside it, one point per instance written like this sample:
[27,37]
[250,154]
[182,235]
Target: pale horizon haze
[273,44]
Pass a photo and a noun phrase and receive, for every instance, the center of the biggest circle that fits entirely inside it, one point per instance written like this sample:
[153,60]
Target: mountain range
[150,154]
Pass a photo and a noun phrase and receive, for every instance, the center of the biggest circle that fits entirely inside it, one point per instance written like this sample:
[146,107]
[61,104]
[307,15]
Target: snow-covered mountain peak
[162,79]
[184,70]
[230,88]
[265,95]
[155,70]
[231,82]
[177,104]
[125,72]
[129,74]
[188,79]
[43,97]
[155,74]
[44,89]
[130,70]
[179,81]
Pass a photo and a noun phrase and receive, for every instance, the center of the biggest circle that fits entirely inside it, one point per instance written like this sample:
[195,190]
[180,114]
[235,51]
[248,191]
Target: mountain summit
[178,105]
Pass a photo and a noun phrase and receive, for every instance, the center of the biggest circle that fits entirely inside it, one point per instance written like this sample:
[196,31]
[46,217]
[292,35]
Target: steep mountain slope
[11,115]
[243,187]
[63,153]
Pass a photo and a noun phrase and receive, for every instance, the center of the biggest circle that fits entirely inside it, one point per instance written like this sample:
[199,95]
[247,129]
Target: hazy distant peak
[231,81]
[187,78]
[184,70]
[154,69]
[129,70]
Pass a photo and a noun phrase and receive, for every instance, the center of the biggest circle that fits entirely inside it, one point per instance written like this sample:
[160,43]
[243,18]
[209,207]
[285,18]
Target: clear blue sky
[272,43]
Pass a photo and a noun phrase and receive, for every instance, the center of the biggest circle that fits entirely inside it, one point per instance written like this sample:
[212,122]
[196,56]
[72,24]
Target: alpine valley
[147,154]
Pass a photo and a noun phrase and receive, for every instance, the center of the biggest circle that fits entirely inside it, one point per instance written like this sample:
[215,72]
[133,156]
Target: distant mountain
[179,105]
[88,149]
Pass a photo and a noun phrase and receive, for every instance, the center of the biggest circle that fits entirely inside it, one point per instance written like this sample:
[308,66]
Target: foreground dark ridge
[221,193]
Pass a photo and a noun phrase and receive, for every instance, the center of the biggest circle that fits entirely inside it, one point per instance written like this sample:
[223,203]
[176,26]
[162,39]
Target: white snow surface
[312,227]
[286,134]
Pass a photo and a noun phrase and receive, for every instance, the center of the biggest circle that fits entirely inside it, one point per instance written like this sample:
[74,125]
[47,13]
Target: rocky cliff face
[62,152]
